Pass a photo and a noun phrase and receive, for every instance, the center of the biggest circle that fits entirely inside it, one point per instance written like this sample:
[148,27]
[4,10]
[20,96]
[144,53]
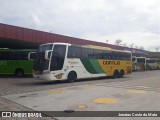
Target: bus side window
[107,54]
[98,54]
[74,52]
[116,55]
[87,53]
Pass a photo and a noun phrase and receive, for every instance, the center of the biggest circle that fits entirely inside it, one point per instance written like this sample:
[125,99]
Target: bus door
[58,56]
[141,63]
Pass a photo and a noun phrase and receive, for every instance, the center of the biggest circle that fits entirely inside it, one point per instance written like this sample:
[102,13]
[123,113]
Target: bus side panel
[86,68]
[79,67]
[8,67]
[4,68]
[109,66]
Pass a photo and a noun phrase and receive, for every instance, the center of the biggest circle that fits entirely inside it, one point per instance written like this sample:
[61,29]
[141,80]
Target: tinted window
[140,59]
[14,55]
[40,63]
[117,55]
[98,54]
[107,55]
[22,55]
[74,52]
[43,48]
[150,61]
[58,56]
[87,53]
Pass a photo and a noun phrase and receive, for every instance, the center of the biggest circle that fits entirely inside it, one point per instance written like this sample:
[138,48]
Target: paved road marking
[91,86]
[82,106]
[141,86]
[136,91]
[105,100]
[56,91]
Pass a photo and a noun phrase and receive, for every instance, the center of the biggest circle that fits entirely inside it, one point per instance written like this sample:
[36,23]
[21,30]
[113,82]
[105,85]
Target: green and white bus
[15,62]
[63,61]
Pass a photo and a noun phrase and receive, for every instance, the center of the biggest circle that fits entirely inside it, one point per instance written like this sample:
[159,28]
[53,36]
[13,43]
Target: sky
[132,21]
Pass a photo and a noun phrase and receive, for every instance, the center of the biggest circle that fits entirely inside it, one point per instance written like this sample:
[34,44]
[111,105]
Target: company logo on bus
[111,62]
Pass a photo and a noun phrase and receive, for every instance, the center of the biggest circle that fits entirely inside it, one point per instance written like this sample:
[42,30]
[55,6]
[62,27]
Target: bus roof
[90,46]
[16,50]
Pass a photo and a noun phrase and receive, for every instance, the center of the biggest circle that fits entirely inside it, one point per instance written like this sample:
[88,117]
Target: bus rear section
[15,62]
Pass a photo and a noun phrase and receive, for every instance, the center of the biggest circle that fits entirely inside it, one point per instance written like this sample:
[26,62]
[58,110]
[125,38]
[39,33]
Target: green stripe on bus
[88,66]
[96,66]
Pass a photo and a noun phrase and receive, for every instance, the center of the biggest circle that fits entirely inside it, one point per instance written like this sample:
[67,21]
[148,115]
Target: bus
[152,64]
[134,63]
[158,64]
[141,63]
[63,61]
[138,63]
[15,62]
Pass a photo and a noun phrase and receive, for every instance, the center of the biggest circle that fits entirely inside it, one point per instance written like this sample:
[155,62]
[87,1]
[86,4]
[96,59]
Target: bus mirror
[32,56]
[48,54]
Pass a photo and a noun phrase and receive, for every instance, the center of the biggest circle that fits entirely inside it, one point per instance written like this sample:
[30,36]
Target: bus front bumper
[42,77]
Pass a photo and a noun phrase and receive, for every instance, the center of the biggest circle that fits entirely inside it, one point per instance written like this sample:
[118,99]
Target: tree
[136,47]
[124,44]
[131,45]
[157,48]
[118,41]
[141,47]
[107,41]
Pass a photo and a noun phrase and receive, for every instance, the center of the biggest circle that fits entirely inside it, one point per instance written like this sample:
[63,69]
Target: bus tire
[115,74]
[121,74]
[19,73]
[72,76]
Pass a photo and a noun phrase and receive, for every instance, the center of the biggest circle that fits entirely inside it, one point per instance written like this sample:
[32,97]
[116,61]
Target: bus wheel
[115,74]
[19,73]
[121,74]
[72,76]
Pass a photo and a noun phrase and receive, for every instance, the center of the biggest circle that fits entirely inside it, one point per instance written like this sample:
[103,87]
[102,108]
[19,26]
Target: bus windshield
[43,48]
[40,62]
[57,59]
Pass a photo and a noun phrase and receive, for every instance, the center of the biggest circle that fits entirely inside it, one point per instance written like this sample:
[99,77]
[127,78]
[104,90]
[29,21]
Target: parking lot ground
[99,97]
[139,91]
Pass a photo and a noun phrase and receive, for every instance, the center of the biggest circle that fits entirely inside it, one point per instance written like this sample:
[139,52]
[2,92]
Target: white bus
[134,63]
[152,63]
[63,61]
[138,63]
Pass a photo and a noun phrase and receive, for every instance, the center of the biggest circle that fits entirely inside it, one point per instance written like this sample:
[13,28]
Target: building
[18,37]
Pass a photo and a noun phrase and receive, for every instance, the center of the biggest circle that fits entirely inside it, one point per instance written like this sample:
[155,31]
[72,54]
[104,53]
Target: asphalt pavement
[139,91]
